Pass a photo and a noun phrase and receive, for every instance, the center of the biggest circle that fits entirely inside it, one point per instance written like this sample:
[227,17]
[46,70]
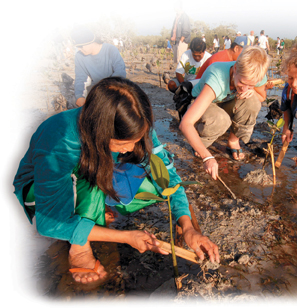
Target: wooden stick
[180,252]
[282,154]
[275,81]
[232,194]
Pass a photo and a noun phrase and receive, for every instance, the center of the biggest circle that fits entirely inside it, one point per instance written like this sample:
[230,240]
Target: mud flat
[256,232]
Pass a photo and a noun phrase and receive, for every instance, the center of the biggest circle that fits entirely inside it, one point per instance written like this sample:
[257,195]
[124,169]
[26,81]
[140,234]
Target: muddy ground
[256,232]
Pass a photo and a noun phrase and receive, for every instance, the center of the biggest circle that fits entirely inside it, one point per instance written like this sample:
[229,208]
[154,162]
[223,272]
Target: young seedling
[274,128]
[161,176]
[159,73]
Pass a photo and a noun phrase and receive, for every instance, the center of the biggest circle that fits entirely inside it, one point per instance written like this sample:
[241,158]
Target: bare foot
[82,257]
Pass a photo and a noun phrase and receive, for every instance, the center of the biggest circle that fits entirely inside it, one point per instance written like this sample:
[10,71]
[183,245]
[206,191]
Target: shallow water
[150,270]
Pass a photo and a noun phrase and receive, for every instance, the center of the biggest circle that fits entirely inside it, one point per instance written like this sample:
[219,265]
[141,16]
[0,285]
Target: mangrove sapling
[159,72]
[161,176]
[274,128]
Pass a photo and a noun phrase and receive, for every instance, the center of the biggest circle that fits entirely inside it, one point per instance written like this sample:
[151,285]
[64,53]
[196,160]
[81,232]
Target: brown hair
[291,60]
[115,108]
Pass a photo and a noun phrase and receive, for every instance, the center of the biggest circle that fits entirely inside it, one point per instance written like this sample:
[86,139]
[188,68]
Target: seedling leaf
[159,171]
[170,191]
[280,123]
[147,196]
[189,183]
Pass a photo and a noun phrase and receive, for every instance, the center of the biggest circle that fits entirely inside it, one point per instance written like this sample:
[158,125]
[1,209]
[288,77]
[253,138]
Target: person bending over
[189,63]
[225,98]
[83,161]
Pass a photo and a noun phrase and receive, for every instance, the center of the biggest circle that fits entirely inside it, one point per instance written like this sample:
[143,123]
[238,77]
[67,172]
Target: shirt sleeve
[178,201]
[81,76]
[284,106]
[179,67]
[54,157]
[118,64]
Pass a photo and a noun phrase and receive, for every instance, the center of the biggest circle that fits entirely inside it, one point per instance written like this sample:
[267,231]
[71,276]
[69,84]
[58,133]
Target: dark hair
[235,44]
[197,45]
[115,108]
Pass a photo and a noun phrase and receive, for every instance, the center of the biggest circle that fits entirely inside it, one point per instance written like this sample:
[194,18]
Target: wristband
[207,158]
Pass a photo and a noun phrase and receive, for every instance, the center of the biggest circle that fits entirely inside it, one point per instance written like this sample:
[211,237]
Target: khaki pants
[238,114]
[178,50]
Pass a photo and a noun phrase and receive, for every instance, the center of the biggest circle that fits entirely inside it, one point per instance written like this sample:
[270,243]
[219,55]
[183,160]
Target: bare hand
[212,168]
[144,241]
[287,135]
[245,95]
[201,244]
[269,85]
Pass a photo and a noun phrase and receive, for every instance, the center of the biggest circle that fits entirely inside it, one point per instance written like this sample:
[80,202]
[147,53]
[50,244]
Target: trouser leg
[243,113]
[174,49]
[213,124]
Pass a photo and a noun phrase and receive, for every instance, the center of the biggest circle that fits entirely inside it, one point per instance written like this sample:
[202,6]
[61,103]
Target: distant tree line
[116,27]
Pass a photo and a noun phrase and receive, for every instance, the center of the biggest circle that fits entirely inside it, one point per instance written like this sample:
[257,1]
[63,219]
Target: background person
[289,95]
[180,32]
[227,42]
[232,55]
[189,63]
[216,44]
[252,37]
[93,61]
[263,41]
[225,98]
[73,166]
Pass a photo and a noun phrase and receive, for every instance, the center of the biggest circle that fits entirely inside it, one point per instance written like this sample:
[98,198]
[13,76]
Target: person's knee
[214,123]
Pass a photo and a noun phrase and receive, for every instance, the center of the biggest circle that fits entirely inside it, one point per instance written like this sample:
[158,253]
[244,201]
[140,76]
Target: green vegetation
[161,176]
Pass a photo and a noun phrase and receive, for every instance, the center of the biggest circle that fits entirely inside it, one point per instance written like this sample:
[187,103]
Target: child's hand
[144,241]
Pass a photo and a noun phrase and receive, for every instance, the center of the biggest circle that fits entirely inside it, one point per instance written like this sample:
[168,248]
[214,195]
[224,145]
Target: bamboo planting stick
[180,252]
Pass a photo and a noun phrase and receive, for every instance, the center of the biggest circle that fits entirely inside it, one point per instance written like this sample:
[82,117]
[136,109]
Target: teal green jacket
[53,153]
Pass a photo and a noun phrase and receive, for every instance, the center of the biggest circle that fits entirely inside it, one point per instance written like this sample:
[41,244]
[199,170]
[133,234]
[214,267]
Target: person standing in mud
[289,95]
[225,98]
[82,162]
[93,61]
[180,32]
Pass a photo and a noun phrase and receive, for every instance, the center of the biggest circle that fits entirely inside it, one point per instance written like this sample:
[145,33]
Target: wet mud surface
[256,232]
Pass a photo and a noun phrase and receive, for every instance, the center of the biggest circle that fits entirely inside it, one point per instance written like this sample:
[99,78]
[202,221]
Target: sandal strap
[85,270]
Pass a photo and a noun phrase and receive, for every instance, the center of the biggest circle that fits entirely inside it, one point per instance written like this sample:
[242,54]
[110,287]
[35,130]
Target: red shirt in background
[221,56]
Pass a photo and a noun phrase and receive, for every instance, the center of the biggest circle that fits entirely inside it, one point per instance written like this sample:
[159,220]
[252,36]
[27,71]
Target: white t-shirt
[216,43]
[192,67]
[278,44]
[227,44]
[263,41]
[251,38]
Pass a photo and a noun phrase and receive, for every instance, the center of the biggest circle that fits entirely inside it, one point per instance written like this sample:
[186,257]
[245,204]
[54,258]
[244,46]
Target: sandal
[85,270]
[237,151]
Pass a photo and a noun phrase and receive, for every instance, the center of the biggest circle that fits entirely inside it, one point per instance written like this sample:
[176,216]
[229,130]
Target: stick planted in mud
[230,191]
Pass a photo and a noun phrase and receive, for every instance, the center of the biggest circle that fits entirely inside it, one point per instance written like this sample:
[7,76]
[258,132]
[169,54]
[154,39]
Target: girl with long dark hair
[81,161]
